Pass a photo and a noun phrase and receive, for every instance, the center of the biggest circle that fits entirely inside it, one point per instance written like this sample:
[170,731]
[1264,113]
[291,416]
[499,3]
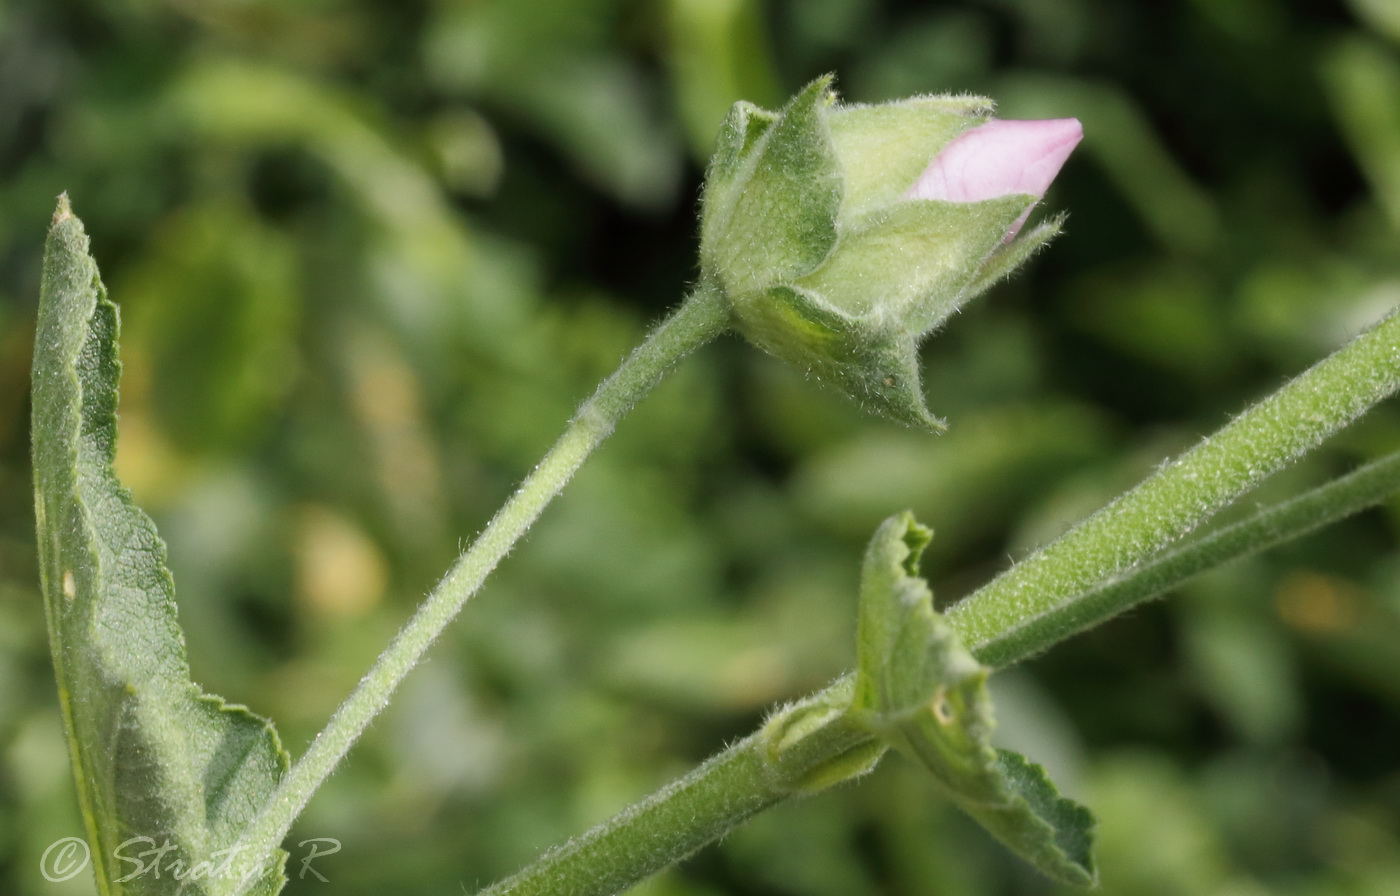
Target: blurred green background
[371,254]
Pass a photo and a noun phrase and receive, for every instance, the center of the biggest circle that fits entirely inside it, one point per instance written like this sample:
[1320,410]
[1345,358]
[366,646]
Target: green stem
[699,319]
[1037,597]
[732,786]
[668,826]
[806,746]
[1089,574]
[1362,488]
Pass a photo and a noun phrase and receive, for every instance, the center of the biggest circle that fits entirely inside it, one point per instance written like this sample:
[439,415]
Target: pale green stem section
[699,319]
[785,758]
[1089,574]
[1182,495]
[665,828]
[1358,490]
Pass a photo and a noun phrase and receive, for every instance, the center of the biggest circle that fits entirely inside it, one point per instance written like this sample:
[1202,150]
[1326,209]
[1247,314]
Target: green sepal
[884,148]
[741,129]
[907,266]
[808,232]
[771,216]
[921,691]
[1004,261]
[153,756]
[878,367]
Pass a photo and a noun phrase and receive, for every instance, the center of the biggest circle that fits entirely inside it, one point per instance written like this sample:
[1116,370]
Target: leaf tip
[914,535]
[64,210]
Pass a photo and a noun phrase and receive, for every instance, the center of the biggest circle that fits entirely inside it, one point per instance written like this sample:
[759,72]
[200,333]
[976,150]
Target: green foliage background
[371,254]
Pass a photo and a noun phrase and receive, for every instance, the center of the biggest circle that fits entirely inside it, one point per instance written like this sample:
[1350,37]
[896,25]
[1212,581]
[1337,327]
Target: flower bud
[842,234]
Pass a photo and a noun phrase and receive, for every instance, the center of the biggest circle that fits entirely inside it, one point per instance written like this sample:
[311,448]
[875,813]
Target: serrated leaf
[919,689]
[156,760]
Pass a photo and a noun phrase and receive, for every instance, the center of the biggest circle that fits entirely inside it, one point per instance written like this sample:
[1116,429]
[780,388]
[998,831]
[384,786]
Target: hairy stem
[730,787]
[1358,490]
[1038,596]
[1091,573]
[804,747]
[699,319]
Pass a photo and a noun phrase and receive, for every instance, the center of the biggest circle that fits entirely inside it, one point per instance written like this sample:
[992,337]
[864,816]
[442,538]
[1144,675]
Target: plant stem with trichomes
[702,317]
[1038,598]
[1111,561]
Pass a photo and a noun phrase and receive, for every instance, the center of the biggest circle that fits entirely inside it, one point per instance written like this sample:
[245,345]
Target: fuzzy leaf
[1010,256]
[156,760]
[919,689]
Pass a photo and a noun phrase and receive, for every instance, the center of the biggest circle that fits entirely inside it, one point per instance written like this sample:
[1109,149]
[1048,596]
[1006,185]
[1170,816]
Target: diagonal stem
[699,319]
[1358,490]
[1037,596]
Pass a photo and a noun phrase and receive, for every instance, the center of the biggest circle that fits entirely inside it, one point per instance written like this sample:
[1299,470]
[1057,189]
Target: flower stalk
[698,320]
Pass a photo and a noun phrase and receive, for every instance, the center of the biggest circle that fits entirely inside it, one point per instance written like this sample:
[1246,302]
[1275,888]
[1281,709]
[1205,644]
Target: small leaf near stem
[918,689]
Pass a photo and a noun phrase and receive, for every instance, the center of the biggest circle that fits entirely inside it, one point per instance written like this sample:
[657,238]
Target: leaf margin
[920,690]
[89,529]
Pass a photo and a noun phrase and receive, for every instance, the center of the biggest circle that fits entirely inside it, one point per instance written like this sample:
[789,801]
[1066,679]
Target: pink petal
[999,158]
